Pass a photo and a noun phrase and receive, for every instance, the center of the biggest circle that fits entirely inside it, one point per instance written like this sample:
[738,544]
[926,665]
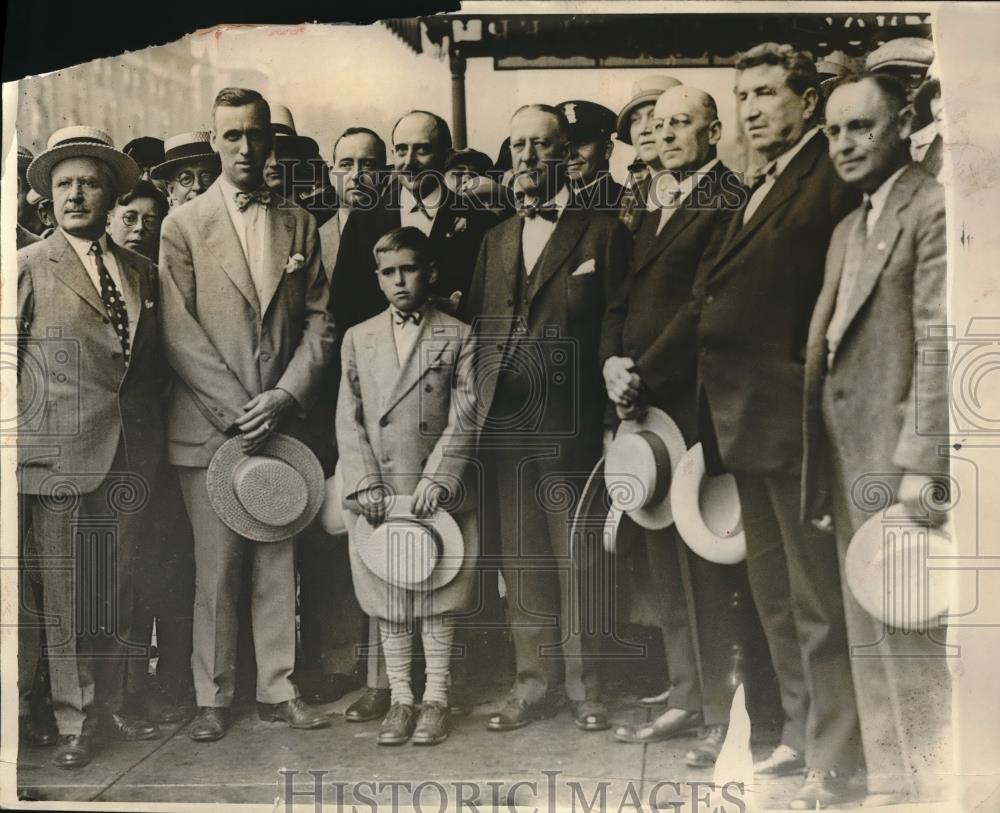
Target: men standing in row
[884,290]
[755,298]
[649,347]
[99,437]
[416,196]
[591,126]
[537,300]
[247,334]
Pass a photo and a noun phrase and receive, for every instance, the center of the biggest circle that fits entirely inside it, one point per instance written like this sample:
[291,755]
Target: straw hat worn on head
[707,511]
[887,568]
[404,551]
[903,52]
[82,142]
[24,159]
[270,495]
[645,91]
[182,149]
[285,134]
[639,467]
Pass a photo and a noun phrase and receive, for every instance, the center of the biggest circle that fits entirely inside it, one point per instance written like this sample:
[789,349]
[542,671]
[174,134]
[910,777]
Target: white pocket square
[588,267]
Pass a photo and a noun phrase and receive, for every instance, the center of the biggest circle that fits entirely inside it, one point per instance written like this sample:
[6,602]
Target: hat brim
[400,506]
[166,170]
[886,568]
[303,146]
[659,514]
[222,494]
[123,168]
[623,126]
[719,538]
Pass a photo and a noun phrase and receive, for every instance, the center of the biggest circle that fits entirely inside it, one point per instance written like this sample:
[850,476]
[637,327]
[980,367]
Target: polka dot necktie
[114,305]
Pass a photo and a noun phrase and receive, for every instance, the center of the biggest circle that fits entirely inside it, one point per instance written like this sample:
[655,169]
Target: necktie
[244,199]
[402,317]
[114,305]
[420,206]
[547,212]
[757,194]
[866,210]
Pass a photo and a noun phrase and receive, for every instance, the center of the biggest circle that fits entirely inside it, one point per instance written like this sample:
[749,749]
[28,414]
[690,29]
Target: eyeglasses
[187,178]
[130,218]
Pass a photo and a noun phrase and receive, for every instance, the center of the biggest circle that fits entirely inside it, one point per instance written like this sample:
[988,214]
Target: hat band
[82,140]
[283,130]
[196,149]
[662,458]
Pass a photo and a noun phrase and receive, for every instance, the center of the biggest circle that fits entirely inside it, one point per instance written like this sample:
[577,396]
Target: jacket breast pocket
[583,293]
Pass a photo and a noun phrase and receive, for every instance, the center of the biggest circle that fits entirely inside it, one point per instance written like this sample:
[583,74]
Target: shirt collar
[432,202]
[685,186]
[82,245]
[229,190]
[342,214]
[559,200]
[878,198]
[782,161]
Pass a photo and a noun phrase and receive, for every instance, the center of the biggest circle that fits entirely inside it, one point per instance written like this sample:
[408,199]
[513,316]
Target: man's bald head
[686,127]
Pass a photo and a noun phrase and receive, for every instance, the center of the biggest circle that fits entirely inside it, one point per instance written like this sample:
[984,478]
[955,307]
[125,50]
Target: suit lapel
[70,271]
[444,219]
[281,226]
[219,233]
[506,264]
[569,229]
[414,367]
[826,303]
[678,222]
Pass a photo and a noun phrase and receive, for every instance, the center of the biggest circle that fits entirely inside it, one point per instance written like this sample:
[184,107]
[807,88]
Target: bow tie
[402,317]
[768,172]
[244,199]
[549,212]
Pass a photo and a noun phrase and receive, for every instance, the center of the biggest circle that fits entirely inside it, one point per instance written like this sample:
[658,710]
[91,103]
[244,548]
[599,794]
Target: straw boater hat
[417,554]
[82,142]
[888,570]
[270,495]
[181,149]
[24,159]
[639,467]
[707,511]
[645,91]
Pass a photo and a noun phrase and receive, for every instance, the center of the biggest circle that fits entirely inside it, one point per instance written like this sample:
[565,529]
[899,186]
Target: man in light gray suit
[246,330]
[876,415]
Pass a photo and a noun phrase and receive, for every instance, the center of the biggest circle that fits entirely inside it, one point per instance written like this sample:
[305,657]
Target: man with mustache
[99,437]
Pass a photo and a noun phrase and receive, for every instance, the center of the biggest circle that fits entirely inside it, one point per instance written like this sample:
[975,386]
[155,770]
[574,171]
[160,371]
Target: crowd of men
[207,281]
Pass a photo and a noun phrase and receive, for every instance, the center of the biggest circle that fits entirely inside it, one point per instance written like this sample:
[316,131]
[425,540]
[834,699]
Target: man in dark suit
[590,127]
[538,296]
[873,416]
[755,298]
[649,347]
[417,196]
[88,350]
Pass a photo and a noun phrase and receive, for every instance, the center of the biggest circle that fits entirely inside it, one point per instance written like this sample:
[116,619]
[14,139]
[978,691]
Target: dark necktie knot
[402,317]
[244,199]
[548,211]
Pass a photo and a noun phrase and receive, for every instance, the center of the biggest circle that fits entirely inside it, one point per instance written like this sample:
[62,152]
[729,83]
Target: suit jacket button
[428,388]
[386,459]
[709,299]
[116,355]
[383,421]
[510,300]
[105,320]
[265,356]
[838,394]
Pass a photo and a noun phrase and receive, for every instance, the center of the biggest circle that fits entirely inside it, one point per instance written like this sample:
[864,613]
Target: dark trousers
[86,550]
[795,583]
[703,635]
[545,608]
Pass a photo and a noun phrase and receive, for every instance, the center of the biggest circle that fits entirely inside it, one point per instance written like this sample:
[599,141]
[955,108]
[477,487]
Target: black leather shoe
[679,723]
[210,724]
[166,708]
[374,703]
[518,713]
[73,751]
[129,728]
[294,712]
[397,727]
[41,734]
[784,761]
[820,790]
[432,725]
[656,699]
[706,752]
[328,689]
[591,715]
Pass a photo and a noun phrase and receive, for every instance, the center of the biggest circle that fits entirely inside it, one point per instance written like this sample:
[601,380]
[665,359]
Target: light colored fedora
[887,568]
[82,142]
[418,554]
[639,468]
[270,495]
[834,65]
[183,148]
[333,515]
[645,91]
[707,511]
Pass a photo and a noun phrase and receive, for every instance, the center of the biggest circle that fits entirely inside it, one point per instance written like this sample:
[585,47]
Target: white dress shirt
[671,193]
[253,229]
[405,334]
[536,231]
[772,170]
[411,213]
[81,246]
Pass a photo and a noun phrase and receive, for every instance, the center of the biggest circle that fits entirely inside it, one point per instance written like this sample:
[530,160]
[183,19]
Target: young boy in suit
[406,425]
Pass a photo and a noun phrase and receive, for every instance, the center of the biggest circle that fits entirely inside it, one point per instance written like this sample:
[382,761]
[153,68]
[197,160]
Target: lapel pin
[881,245]
[148,304]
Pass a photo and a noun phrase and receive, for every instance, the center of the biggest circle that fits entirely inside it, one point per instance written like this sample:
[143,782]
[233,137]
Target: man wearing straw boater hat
[87,313]
[246,331]
[648,346]
[190,166]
